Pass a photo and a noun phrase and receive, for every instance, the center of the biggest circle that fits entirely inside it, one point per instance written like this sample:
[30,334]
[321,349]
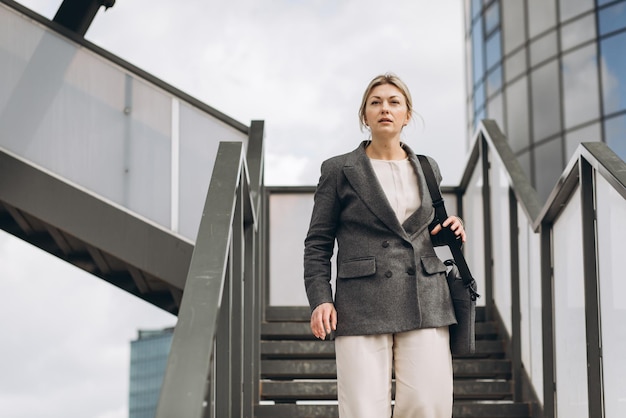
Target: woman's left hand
[455,224]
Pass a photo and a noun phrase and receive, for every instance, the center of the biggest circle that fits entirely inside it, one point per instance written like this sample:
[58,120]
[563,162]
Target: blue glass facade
[148,359]
[549,72]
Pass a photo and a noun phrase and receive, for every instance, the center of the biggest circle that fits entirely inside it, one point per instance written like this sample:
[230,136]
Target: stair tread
[303,314]
[327,369]
[327,390]
[301,330]
[463,409]
[326,349]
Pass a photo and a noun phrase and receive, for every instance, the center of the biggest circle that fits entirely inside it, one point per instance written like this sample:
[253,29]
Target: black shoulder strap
[441,214]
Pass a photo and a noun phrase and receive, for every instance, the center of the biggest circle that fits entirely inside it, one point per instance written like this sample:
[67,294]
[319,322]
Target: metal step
[326,390]
[459,410]
[303,314]
[302,331]
[327,369]
[326,349]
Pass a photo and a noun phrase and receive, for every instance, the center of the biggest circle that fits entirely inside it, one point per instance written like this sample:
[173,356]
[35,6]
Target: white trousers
[422,363]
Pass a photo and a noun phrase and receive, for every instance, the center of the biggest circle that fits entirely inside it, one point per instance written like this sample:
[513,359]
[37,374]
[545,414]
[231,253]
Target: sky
[299,65]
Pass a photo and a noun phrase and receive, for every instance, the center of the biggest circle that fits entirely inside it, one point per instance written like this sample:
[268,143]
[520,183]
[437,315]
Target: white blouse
[399,182]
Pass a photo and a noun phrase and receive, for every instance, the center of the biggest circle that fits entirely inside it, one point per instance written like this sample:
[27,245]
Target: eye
[374,102]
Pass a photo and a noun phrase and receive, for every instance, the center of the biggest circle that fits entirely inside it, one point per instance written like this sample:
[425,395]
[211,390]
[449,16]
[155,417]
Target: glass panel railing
[102,127]
[290,214]
[500,232]
[569,312]
[200,135]
[611,223]
[535,367]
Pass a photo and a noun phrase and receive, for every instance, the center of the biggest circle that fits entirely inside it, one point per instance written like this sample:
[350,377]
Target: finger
[436,230]
[333,319]
[326,322]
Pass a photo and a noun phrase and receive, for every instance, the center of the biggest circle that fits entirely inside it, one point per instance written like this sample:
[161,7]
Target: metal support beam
[77,15]
[516,316]
[547,325]
[487,221]
[592,305]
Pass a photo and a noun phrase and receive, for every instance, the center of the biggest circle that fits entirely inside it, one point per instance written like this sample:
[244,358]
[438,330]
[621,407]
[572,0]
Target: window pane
[578,32]
[476,6]
[541,16]
[545,101]
[612,18]
[615,131]
[543,48]
[548,166]
[517,122]
[494,49]
[580,86]
[515,65]
[571,8]
[492,17]
[494,110]
[613,73]
[589,133]
[479,96]
[494,81]
[477,49]
[513,25]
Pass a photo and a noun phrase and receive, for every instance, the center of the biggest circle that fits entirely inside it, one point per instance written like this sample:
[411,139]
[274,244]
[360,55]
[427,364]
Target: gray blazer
[389,278]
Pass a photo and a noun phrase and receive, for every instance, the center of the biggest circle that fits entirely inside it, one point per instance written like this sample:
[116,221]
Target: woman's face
[386,112]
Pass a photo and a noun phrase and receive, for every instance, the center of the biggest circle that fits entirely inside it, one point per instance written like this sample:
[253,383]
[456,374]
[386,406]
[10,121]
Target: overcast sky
[300,65]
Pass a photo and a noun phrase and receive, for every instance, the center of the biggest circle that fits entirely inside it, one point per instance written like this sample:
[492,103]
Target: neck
[385,149]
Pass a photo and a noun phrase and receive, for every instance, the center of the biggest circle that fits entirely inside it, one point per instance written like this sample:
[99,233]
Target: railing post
[223,345]
[547,326]
[487,219]
[592,308]
[516,333]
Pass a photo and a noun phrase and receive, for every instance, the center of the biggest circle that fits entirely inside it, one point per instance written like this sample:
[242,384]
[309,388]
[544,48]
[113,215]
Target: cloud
[299,65]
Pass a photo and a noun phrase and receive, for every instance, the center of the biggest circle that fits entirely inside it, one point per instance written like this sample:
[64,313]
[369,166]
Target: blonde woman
[392,305]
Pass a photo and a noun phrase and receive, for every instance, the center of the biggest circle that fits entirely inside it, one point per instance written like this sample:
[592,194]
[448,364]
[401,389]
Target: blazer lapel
[359,172]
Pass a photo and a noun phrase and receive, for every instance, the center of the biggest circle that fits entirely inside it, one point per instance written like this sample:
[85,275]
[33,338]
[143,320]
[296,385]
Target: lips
[385,120]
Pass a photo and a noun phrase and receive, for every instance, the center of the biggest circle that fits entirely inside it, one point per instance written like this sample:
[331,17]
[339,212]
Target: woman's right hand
[323,320]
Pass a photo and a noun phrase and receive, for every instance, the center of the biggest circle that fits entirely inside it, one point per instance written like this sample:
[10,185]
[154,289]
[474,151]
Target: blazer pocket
[433,265]
[361,267]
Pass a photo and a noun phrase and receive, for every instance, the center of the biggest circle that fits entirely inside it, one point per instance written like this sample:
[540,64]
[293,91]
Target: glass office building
[552,73]
[148,360]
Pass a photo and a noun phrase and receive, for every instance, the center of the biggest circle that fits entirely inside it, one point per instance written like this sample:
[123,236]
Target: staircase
[298,372]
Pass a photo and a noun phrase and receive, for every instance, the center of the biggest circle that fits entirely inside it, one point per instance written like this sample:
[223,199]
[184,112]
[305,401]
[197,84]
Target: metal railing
[550,272]
[213,366]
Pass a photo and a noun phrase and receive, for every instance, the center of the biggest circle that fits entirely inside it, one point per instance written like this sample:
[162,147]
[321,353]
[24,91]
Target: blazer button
[388,274]
[385,244]
[410,271]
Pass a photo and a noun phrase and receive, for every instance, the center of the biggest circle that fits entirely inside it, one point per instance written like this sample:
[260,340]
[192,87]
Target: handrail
[508,303]
[127,65]
[184,390]
[519,182]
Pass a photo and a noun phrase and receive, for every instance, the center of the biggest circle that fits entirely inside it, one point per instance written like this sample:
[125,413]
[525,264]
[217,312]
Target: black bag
[463,290]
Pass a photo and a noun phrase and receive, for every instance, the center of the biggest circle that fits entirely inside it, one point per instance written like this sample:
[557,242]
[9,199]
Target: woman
[392,305]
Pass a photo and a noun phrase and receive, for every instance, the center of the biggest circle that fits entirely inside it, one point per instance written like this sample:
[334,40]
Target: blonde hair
[387,78]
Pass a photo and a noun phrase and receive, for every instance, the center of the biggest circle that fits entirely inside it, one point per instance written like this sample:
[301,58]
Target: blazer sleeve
[320,239]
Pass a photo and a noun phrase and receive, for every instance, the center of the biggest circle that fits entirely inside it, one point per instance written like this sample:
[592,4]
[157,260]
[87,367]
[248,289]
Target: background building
[148,359]
[552,73]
